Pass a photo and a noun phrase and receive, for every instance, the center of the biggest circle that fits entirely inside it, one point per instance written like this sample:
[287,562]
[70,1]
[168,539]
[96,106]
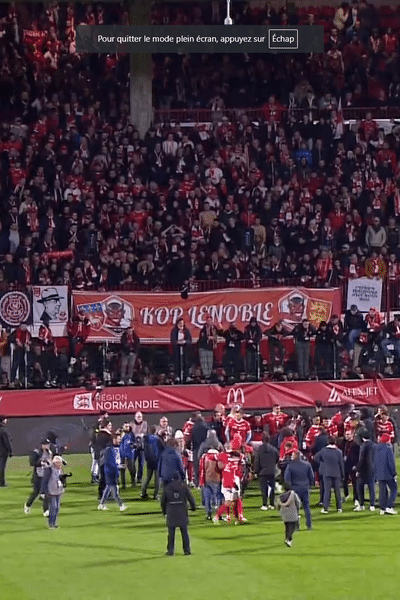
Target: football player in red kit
[383,424]
[339,418]
[257,428]
[275,421]
[313,433]
[238,426]
[232,464]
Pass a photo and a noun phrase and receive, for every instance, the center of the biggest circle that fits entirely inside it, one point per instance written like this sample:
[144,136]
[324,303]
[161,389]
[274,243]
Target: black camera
[63,478]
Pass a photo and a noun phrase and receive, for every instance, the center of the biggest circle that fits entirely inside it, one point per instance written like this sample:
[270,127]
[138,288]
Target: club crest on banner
[83,401]
[15,308]
[113,314]
[296,306]
[235,397]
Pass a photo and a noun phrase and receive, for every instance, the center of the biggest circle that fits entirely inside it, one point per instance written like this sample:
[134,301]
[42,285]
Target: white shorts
[230,494]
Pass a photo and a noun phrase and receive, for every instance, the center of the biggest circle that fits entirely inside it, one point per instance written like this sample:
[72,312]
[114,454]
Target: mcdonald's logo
[235,396]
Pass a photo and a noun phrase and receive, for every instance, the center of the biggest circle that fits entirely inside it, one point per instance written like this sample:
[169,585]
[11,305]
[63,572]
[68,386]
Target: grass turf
[97,555]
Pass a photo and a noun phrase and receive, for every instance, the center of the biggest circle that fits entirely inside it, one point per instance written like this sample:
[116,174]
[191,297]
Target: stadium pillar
[141,74]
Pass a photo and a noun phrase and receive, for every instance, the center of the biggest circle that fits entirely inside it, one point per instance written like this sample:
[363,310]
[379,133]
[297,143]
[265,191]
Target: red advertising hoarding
[165,399]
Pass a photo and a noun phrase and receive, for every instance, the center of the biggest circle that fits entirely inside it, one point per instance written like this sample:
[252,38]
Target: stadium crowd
[290,196]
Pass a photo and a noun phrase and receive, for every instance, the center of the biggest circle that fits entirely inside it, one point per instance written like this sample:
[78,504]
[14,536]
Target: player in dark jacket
[174,501]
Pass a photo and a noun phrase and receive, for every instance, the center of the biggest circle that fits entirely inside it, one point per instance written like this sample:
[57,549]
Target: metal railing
[206,115]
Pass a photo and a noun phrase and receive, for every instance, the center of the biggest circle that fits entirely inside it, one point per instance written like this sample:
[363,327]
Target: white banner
[365,293]
[50,303]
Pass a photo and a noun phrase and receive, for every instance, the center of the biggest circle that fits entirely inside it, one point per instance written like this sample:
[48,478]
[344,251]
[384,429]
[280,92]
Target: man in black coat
[199,434]
[103,439]
[174,501]
[5,450]
[365,472]
[265,461]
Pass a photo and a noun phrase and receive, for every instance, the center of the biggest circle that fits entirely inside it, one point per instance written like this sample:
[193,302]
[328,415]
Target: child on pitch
[112,464]
[231,463]
[289,504]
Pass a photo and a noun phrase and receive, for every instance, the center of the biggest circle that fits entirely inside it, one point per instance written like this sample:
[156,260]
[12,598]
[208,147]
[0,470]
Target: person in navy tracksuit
[127,452]
[385,474]
[112,464]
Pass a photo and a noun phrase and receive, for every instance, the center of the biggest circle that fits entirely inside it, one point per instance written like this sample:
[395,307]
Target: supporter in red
[272,110]
[78,331]
[373,323]
[48,353]
[238,426]
[22,341]
[231,463]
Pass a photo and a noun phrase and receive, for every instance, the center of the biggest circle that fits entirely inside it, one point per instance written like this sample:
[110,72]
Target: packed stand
[284,199]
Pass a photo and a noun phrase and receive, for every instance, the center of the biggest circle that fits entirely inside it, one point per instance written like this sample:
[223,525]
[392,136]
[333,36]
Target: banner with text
[165,399]
[365,293]
[154,315]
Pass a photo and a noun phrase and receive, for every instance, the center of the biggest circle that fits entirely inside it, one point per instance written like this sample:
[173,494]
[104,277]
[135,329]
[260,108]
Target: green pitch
[97,555]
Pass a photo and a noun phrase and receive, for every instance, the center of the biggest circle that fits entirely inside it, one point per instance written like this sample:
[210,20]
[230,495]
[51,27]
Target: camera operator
[39,459]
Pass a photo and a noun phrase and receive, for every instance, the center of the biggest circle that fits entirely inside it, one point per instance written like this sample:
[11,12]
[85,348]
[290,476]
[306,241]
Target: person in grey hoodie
[265,461]
[53,487]
[289,504]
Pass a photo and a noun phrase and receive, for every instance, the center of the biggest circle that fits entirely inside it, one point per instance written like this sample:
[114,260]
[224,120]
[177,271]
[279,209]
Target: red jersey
[288,446]
[275,422]
[332,429]
[256,429]
[337,420]
[232,469]
[381,428]
[350,425]
[241,428]
[187,432]
[311,435]
[22,337]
